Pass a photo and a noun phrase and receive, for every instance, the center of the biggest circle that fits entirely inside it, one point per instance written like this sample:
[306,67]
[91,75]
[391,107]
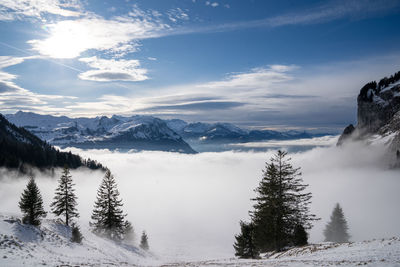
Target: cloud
[196,106]
[70,38]
[6,61]
[329,11]
[20,9]
[177,14]
[113,70]
[6,79]
[14,97]
[255,78]
[201,198]
[334,10]
[275,96]
[324,141]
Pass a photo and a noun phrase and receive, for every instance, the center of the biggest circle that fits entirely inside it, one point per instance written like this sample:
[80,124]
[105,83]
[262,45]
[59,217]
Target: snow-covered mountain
[117,132]
[50,245]
[143,133]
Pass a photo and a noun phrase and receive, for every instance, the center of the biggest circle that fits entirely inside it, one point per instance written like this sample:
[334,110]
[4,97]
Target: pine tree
[337,230]
[65,198]
[76,234]
[281,206]
[245,246]
[144,242]
[31,204]
[107,216]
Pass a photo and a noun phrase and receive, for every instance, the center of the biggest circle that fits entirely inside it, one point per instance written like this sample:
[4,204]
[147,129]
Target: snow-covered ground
[384,252]
[49,245]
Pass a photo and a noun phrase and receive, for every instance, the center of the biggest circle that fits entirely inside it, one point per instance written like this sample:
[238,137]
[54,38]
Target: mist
[191,205]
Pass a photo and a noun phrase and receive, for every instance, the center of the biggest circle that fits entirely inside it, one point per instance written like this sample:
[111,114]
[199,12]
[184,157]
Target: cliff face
[377,105]
[378,112]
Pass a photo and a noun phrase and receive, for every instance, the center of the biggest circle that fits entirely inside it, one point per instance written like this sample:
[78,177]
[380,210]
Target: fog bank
[191,205]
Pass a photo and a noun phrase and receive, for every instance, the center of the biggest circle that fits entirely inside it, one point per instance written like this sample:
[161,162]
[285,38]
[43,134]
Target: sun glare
[67,40]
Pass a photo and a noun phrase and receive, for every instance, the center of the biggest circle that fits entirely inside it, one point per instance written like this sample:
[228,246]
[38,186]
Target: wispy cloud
[255,78]
[14,97]
[113,70]
[334,10]
[330,11]
[20,9]
[177,14]
[196,106]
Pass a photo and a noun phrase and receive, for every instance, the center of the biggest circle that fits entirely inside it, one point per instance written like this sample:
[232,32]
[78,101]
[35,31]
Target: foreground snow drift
[384,252]
[50,245]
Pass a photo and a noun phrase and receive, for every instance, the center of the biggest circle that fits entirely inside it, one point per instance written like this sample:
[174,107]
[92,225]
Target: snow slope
[24,245]
[384,252]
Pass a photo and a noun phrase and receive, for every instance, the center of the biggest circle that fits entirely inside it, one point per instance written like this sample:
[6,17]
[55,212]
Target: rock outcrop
[378,113]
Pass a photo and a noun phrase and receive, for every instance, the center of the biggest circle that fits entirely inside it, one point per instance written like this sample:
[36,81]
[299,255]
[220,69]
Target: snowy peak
[117,132]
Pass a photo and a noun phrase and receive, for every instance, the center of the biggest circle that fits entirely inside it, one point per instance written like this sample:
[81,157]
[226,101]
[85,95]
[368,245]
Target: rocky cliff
[378,113]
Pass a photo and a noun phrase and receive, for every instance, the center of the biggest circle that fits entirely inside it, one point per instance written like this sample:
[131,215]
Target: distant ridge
[140,132]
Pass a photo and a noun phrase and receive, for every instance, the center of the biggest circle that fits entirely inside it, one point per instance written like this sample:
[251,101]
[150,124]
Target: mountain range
[140,132]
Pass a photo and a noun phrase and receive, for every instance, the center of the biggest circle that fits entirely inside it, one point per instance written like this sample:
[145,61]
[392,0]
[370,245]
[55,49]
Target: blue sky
[256,63]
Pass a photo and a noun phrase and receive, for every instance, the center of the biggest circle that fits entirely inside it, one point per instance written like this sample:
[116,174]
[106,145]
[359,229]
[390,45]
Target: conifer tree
[337,230]
[107,216]
[281,205]
[144,242]
[31,204]
[245,246]
[76,234]
[65,199]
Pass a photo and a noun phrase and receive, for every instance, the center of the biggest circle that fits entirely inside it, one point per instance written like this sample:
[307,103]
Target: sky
[255,63]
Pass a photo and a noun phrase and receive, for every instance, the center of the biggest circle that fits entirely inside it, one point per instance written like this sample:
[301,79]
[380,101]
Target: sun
[66,40]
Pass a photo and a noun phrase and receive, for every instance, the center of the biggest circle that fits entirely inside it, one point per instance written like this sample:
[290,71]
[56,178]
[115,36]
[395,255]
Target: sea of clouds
[191,205]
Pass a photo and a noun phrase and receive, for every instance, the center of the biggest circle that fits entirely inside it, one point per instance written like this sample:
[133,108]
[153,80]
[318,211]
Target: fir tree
[245,246]
[337,230]
[281,205]
[65,198]
[76,234]
[144,242]
[107,216]
[31,204]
